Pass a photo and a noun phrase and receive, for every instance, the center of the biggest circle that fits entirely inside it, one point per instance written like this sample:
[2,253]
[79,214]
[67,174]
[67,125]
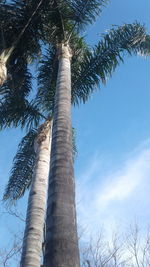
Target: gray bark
[33,236]
[61,232]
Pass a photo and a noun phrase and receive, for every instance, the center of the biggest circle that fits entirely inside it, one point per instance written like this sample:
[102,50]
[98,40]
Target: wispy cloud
[122,184]
[108,198]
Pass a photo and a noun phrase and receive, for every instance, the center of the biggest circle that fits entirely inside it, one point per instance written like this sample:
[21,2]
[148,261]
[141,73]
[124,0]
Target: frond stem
[82,10]
[42,116]
[62,23]
[24,29]
[29,21]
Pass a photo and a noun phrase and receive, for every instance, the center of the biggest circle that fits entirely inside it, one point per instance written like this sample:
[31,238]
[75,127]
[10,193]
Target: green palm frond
[90,68]
[8,19]
[52,20]
[99,64]
[145,47]
[14,33]
[84,12]
[28,26]
[61,18]
[14,113]
[47,75]
[22,170]
[128,37]
[15,110]
[19,82]
[23,166]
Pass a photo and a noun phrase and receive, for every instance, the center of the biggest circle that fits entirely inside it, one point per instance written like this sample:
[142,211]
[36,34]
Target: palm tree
[62,22]
[30,169]
[33,154]
[32,164]
[33,235]
[31,161]
[45,99]
[61,232]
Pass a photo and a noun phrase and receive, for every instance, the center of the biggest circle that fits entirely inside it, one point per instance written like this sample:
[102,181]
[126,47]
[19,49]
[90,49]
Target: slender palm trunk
[32,243]
[61,233]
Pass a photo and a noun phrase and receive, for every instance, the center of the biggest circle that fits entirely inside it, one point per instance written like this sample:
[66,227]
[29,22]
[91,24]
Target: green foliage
[84,12]
[56,21]
[14,33]
[15,110]
[61,18]
[23,166]
[15,113]
[98,65]
[22,170]
[47,75]
[90,67]
[19,82]
[128,37]
[145,47]
[8,19]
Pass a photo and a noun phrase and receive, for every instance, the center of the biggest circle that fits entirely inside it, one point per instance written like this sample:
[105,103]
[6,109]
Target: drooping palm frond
[128,38]
[19,34]
[8,19]
[23,166]
[32,116]
[61,18]
[52,24]
[15,110]
[19,83]
[14,113]
[84,12]
[145,47]
[47,75]
[91,67]
[99,64]
[27,28]
[22,170]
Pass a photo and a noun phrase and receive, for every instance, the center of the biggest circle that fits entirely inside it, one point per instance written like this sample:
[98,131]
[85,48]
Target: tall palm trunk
[32,243]
[61,234]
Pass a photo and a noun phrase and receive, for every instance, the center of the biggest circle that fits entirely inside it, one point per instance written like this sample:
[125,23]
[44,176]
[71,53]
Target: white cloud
[115,198]
[122,184]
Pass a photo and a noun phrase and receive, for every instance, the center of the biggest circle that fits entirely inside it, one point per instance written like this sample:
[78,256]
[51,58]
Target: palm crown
[89,69]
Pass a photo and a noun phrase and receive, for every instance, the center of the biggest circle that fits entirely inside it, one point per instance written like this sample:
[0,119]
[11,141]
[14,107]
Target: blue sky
[113,139]
[113,133]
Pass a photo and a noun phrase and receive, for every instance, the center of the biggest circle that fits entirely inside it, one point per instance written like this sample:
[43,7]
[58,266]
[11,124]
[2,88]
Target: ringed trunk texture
[61,247]
[33,236]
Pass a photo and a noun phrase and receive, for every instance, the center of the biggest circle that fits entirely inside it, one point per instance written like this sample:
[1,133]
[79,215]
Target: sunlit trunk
[61,230]
[4,56]
[33,236]
[3,72]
